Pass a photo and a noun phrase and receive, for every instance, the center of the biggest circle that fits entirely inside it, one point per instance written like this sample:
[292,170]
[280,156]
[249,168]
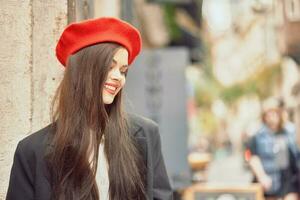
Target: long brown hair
[81,120]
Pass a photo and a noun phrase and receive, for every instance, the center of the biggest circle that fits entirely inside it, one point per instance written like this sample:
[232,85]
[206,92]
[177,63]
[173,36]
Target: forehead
[121,56]
[272,111]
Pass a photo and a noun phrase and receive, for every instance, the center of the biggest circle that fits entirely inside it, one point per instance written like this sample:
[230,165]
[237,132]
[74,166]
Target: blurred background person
[274,154]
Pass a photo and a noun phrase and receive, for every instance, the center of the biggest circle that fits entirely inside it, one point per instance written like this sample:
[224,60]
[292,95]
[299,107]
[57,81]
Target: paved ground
[228,170]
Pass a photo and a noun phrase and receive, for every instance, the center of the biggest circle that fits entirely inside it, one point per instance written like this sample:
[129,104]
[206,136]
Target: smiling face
[273,119]
[116,76]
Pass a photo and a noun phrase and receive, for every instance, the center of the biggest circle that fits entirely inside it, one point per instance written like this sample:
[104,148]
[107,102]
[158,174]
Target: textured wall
[107,8]
[29,71]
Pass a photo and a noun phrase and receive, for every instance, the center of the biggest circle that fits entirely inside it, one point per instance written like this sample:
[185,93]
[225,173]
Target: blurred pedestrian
[274,155]
[92,150]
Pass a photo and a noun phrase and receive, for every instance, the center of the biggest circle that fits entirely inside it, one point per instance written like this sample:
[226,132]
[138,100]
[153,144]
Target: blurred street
[228,170]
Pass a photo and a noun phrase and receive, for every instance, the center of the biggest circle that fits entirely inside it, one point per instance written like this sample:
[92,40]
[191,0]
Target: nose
[116,74]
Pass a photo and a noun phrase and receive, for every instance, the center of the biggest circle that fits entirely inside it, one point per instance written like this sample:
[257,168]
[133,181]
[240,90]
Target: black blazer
[28,178]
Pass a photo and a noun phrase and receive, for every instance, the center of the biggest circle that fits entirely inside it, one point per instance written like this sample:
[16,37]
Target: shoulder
[141,122]
[37,141]
[252,144]
[263,131]
[141,126]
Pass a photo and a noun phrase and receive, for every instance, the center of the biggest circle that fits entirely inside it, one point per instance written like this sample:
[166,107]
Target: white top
[102,174]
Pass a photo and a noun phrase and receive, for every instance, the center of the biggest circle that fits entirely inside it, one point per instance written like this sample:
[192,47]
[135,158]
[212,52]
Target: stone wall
[29,71]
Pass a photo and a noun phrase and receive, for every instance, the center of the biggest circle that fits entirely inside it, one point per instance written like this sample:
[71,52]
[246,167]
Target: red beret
[106,29]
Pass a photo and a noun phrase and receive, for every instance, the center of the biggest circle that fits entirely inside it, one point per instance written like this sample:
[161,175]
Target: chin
[108,101]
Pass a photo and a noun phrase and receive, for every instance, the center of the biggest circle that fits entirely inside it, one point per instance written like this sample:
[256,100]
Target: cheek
[268,118]
[108,75]
[276,119]
[123,81]
[273,119]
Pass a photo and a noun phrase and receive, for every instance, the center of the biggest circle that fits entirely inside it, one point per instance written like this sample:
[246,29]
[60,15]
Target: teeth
[110,87]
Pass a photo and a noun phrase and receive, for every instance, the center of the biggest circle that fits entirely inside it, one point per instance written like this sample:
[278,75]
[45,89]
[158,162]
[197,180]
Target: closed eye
[124,70]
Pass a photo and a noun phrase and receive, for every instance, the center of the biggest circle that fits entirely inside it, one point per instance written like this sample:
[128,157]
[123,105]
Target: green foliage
[206,91]
[208,122]
[169,12]
[261,84]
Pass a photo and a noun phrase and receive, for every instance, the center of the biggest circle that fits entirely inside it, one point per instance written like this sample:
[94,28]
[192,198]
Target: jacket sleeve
[161,186]
[21,178]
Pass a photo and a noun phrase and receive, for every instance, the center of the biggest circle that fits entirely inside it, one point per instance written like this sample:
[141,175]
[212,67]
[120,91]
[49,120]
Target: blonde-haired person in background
[274,154]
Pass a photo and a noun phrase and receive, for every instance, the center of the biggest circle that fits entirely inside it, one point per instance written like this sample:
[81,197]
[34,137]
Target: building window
[292,10]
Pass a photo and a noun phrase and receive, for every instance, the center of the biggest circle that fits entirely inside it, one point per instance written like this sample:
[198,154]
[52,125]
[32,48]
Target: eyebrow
[114,61]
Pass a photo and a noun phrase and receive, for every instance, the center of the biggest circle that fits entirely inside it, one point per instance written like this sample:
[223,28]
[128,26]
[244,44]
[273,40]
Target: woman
[274,155]
[92,150]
